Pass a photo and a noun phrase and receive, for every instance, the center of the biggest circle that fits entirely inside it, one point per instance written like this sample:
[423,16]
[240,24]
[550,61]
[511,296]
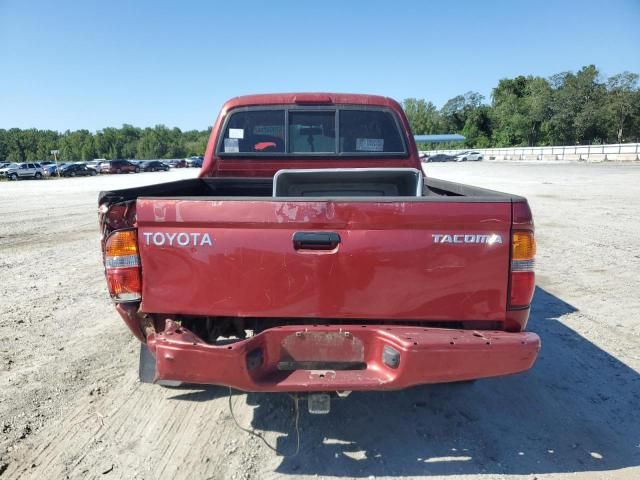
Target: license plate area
[305,350]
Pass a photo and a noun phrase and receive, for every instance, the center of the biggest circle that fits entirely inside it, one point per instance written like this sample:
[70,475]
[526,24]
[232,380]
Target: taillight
[122,265]
[523,282]
[120,215]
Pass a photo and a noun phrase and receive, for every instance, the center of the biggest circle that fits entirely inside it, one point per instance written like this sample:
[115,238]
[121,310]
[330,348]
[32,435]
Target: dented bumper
[334,358]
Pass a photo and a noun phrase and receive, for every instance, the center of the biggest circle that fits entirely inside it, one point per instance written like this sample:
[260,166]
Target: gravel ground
[71,406]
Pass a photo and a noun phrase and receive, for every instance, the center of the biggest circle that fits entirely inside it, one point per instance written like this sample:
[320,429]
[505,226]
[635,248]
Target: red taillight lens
[122,266]
[125,284]
[522,287]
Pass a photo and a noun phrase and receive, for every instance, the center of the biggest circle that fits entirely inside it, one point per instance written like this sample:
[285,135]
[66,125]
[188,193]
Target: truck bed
[249,188]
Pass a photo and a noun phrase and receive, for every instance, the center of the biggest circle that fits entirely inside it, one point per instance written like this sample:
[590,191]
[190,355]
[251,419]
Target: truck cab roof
[309,98]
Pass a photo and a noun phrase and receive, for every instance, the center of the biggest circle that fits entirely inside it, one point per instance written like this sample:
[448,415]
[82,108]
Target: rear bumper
[318,358]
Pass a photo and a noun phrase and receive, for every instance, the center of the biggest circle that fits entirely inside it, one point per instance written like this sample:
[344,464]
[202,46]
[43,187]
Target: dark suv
[119,166]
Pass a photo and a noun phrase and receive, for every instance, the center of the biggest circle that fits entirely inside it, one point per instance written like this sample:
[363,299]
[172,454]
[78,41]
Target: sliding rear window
[296,131]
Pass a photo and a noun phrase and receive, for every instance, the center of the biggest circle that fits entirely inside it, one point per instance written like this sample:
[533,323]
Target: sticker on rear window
[231,145]
[236,133]
[369,144]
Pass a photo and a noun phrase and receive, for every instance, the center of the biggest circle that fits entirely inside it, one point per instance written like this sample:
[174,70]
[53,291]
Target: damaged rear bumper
[331,358]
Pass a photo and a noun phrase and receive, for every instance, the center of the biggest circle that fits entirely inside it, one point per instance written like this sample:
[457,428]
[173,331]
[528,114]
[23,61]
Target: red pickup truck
[312,256]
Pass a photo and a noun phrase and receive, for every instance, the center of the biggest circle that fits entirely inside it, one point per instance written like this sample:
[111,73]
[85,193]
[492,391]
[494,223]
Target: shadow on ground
[577,410]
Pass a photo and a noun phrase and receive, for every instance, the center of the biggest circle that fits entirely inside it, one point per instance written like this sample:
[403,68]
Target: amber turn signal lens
[523,246]
[122,243]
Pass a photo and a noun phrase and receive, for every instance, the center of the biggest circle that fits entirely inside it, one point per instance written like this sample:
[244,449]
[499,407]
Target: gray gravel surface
[71,406]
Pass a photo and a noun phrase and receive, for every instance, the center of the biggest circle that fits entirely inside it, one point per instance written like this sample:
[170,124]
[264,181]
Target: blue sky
[94,64]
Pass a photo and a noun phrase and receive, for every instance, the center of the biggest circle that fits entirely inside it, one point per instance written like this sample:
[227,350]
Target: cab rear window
[347,131]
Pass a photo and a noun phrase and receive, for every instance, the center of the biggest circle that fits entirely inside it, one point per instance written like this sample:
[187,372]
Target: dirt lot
[71,405]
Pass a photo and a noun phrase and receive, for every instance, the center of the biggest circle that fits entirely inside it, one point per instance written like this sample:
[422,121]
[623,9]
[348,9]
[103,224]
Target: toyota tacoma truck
[311,255]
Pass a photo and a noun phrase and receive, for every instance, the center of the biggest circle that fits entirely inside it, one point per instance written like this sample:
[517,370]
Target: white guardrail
[619,152]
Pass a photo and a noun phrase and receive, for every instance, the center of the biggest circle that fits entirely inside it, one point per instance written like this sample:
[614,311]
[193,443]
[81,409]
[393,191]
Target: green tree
[520,108]
[455,111]
[579,113]
[623,97]
[422,116]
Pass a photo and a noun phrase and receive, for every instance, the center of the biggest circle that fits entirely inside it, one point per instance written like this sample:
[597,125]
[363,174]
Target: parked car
[22,170]
[154,166]
[52,169]
[194,161]
[178,163]
[77,170]
[4,168]
[440,157]
[93,164]
[469,156]
[119,166]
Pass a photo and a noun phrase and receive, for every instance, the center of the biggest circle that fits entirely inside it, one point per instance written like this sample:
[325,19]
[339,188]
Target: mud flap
[147,365]
[147,369]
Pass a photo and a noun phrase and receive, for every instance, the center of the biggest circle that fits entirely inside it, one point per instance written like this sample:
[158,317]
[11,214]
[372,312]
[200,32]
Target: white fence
[619,152]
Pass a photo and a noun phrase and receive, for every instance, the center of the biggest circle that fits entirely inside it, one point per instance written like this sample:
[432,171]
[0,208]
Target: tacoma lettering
[466,238]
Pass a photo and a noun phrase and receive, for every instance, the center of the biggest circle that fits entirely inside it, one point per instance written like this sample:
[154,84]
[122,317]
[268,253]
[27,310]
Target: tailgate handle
[315,240]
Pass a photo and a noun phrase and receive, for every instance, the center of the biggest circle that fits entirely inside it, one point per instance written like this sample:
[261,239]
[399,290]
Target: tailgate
[394,260]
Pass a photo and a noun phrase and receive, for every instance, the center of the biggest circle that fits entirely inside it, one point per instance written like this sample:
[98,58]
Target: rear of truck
[335,285]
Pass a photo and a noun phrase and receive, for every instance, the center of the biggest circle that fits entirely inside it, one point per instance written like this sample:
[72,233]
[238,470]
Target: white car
[469,156]
[93,164]
[23,170]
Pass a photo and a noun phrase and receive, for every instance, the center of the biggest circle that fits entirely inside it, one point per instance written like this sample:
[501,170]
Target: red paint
[426,356]
[214,166]
[522,286]
[129,313]
[386,266]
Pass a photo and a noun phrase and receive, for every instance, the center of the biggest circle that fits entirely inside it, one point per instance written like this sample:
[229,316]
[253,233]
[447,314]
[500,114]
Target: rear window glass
[312,132]
[364,131]
[353,132]
[257,131]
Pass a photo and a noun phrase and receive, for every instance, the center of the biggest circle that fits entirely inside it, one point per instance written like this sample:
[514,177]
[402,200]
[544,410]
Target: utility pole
[55,159]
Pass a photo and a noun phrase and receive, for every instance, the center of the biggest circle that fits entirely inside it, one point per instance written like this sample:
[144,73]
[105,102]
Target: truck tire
[13,176]
[137,170]
[93,173]
[38,175]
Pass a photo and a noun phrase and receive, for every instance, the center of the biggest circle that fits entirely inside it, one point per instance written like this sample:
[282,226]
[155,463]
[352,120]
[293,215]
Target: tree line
[17,145]
[581,108]
[568,108]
